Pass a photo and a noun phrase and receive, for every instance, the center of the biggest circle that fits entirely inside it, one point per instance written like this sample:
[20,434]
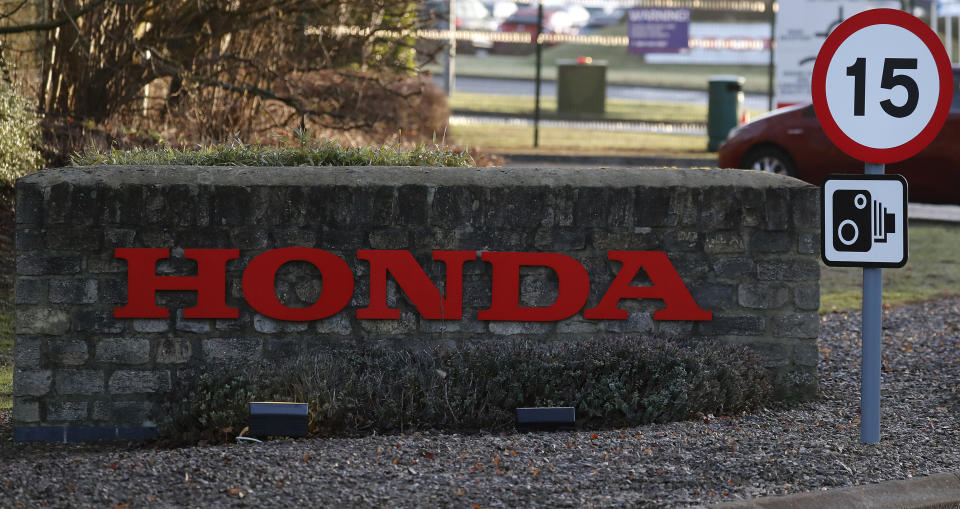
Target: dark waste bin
[724,109]
[581,86]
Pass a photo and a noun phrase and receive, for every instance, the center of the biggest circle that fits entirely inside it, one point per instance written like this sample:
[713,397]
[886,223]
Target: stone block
[516,328]
[577,325]
[808,243]
[73,291]
[714,296]
[456,206]
[268,325]
[73,238]
[805,353]
[112,291]
[69,352]
[57,204]
[405,325]
[603,241]
[32,382]
[806,296]
[30,291]
[337,324]
[806,207]
[748,325]
[636,322]
[139,382]
[174,351]
[66,411]
[29,203]
[684,206]
[123,350]
[723,242]
[720,208]
[51,265]
[232,349]
[37,320]
[27,353]
[118,237]
[776,208]
[671,329]
[682,241]
[734,267]
[771,242]
[598,207]
[25,411]
[390,239]
[97,321]
[797,325]
[651,207]
[26,239]
[766,295]
[79,381]
[798,269]
[149,325]
[412,203]
[196,326]
[132,413]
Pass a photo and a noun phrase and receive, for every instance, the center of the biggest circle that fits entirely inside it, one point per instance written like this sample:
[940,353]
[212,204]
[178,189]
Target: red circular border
[818,85]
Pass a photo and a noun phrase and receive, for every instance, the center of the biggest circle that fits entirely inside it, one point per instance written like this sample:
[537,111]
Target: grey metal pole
[773,45]
[449,68]
[871,344]
[536,101]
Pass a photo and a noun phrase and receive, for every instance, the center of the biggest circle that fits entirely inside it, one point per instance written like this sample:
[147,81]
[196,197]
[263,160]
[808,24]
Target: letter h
[143,283]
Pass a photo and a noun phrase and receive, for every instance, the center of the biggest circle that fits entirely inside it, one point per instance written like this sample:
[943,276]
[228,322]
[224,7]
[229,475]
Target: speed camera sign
[882,86]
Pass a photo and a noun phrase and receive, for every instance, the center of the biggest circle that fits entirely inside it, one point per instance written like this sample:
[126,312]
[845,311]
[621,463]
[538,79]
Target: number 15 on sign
[880,84]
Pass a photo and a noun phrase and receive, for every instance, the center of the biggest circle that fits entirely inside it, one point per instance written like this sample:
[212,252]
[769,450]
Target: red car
[790,141]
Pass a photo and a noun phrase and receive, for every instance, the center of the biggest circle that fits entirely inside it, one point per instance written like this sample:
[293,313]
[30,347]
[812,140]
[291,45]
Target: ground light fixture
[278,419]
[546,418]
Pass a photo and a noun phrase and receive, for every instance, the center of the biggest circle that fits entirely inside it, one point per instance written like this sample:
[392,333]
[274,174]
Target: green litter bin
[724,109]
[581,86]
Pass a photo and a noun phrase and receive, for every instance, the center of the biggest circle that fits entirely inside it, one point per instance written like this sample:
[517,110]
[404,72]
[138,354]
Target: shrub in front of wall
[19,135]
[609,382]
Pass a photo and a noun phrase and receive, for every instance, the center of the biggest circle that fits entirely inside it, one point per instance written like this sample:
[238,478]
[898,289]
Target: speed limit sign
[882,86]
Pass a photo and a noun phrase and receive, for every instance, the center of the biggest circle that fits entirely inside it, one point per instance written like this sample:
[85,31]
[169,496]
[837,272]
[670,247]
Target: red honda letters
[338,285]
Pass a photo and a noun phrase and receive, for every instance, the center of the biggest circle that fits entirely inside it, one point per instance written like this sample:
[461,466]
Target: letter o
[260,276]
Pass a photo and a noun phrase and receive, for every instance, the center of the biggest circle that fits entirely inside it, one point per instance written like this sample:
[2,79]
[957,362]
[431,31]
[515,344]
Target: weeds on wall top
[302,150]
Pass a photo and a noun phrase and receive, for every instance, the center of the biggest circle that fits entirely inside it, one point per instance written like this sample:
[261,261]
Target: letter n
[666,285]
[415,284]
[143,283]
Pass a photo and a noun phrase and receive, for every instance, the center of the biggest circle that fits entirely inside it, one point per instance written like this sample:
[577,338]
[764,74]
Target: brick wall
[745,244]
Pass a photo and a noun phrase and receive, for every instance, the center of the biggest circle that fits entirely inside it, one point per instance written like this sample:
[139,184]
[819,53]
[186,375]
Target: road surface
[525,87]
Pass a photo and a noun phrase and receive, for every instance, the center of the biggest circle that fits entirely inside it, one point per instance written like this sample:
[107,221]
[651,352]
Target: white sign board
[865,221]
[801,28]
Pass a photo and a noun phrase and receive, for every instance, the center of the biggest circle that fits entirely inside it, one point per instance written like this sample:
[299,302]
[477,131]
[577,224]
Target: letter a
[666,286]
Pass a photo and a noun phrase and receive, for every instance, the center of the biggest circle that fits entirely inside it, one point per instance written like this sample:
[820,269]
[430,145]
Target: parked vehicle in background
[470,15]
[579,15]
[501,10]
[791,142]
[555,21]
[603,16]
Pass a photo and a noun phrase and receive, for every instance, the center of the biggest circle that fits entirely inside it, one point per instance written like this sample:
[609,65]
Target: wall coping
[492,177]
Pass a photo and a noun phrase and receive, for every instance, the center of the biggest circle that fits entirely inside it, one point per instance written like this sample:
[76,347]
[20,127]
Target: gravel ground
[774,451]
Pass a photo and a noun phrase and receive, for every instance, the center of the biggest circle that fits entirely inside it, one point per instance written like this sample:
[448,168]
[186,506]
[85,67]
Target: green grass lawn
[519,139]
[6,359]
[616,109]
[622,67]
[932,270]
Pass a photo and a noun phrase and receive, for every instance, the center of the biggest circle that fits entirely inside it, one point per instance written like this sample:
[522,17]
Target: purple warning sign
[655,29]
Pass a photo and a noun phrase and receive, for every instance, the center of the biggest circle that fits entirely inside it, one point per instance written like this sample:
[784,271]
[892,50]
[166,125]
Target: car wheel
[771,160]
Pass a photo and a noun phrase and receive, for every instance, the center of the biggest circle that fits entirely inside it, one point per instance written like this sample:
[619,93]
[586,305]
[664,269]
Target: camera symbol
[859,221]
